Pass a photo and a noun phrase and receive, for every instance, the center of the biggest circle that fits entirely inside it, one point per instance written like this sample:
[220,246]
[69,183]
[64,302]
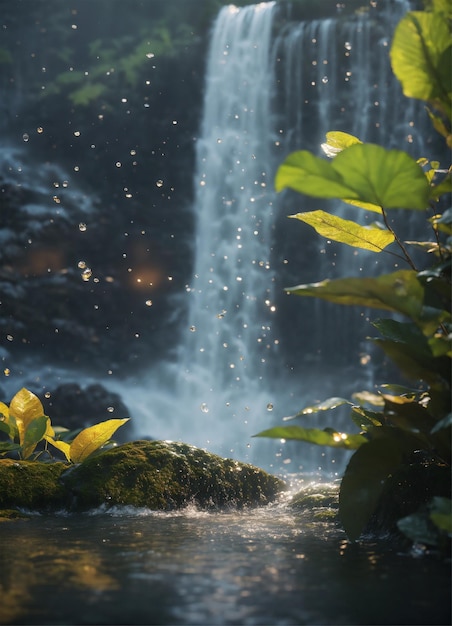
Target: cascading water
[265,94]
[220,383]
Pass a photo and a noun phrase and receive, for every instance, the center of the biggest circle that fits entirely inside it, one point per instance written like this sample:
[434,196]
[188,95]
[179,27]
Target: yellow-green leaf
[25,407]
[92,438]
[327,437]
[62,446]
[361,173]
[336,141]
[400,291]
[346,231]
[421,59]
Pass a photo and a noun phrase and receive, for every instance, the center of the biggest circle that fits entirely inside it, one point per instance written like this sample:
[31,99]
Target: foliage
[26,426]
[398,422]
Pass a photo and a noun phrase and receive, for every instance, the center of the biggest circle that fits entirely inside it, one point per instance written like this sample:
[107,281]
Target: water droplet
[347,45]
[40,129]
[159,183]
[47,394]
[192,329]
[204,408]
[77,133]
[26,137]
[81,265]
[82,227]
[221,314]
[150,55]
[86,274]
[110,409]
[7,371]
[269,406]
[148,302]
[325,80]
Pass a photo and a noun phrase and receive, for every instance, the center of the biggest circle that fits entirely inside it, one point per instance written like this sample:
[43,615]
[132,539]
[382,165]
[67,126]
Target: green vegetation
[26,426]
[404,443]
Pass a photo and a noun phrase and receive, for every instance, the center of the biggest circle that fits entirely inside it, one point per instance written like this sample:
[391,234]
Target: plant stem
[406,256]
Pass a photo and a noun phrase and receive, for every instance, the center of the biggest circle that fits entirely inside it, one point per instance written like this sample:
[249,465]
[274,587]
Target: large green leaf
[346,231]
[400,292]
[363,483]
[360,173]
[304,172]
[420,56]
[328,437]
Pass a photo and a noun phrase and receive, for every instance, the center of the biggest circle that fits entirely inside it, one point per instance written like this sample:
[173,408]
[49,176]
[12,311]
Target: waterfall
[224,356]
[220,383]
[265,96]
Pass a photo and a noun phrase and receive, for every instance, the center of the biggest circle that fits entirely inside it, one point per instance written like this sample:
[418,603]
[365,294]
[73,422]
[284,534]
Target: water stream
[264,566]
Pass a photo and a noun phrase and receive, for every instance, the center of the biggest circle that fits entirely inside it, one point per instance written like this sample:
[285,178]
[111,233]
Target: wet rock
[31,485]
[163,475]
[73,407]
[153,474]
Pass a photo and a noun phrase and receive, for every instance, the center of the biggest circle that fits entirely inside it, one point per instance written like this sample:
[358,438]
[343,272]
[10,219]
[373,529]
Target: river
[271,565]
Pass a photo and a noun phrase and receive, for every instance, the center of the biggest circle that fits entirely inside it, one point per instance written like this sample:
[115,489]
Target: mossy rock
[163,475]
[31,485]
[317,496]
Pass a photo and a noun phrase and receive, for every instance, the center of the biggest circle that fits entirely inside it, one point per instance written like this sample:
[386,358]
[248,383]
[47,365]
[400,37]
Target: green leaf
[367,397]
[92,438]
[325,405]
[33,435]
[25,407]
[420,57]
[442,188]
[346,231]
[363,483]
[365,419]
[415,359]
[7,446]
[400,292]
[336,141]
[308,174]
[362,172]
[330,437]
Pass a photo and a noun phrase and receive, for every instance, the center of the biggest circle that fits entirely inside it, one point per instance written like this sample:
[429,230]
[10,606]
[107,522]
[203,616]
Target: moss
[161,475]
[7,515]
[31,485]
[317,496]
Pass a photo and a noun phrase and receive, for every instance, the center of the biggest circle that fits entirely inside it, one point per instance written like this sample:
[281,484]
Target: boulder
[153,474]
[166,475]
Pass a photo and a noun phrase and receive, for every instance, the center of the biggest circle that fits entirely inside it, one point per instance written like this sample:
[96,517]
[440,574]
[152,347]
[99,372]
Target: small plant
[26,426]
[402,429]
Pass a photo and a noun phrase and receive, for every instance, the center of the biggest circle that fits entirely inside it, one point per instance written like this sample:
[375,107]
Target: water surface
[264,566]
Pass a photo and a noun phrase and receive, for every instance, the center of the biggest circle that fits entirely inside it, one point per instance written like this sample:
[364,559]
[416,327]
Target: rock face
[153,474]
